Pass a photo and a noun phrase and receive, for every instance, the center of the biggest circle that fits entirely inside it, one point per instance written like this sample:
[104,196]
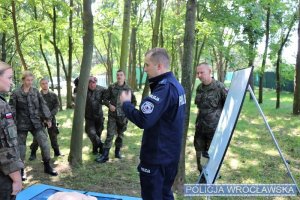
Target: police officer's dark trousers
[157,180]
[5,187]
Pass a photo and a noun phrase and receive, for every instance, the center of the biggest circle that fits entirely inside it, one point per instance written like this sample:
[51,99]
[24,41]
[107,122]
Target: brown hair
[120,70]
[26,74]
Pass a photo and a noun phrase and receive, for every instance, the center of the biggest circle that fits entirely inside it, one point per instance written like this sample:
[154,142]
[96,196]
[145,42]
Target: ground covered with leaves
[252,156]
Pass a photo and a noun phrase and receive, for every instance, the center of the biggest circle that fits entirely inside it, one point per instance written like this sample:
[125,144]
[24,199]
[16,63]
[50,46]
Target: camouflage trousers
[94,129]
[42,139]
[52,132]
[202,142]
[115,126]
[6,187]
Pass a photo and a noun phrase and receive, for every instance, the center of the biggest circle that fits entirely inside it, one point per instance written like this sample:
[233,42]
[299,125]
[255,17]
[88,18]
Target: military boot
[118,153]
[57,152]
[104,157]
[95,150]
[49,170]
[23,175]
[32,155]
[101,148]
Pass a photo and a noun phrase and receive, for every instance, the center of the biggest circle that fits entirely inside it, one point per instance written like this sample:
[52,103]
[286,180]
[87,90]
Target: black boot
[23,175]
[49,170]
[101,148]
[104,157]
[95,150]
[118,153]
[32,155]
[57,152]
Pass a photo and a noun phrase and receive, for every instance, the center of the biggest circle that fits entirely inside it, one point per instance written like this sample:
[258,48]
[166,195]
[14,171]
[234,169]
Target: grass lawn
[252,156]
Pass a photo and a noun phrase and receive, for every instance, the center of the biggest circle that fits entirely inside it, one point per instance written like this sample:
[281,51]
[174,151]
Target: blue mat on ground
[42,192]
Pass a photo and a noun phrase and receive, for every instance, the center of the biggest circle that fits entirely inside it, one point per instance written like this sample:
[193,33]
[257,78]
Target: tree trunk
[125,35]
[198,52]
[132,72]
[15,25]
[3,47]
[278,82]
[75,156]
[161,31]
[70,58]
[47,63]
[109,60]
[278,62]
[156,24]
[263,65]
[187,62]
[220,66]
[155,34]
[42,51]
[56,55]
[296,104]
[251,60]
[141,68]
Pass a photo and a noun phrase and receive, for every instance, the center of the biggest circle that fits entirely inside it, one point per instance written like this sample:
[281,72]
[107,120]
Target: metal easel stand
[198,181]
[273,137]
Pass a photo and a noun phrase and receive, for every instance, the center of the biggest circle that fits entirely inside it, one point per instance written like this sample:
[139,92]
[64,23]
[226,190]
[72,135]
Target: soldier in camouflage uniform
[29,108]
[53,105]
[210,98]
[117,121]
[10,162]
[94,115]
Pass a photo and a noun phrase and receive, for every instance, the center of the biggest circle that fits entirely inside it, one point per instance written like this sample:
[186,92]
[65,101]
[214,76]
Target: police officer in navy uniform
[10,162]
[162,116]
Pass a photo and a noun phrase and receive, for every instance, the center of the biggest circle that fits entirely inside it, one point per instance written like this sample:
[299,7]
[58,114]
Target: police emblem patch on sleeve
[147,107]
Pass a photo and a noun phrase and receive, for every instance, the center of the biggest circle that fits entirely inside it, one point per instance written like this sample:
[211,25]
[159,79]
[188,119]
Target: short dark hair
[44,79]
[120,70]
[159,55]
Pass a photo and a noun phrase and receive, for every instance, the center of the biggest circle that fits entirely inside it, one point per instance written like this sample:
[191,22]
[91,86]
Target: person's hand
[125,96]
[16,182]
[49,123]
[112,108]
[16,187]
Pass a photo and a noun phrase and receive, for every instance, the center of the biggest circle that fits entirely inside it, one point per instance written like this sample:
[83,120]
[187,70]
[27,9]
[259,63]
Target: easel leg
[273,137]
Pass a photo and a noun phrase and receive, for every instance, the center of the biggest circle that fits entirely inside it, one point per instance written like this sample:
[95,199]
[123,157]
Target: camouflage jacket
[112,96]
[52,103]
[210,100]
[29,109]
[94,102]
[9,154]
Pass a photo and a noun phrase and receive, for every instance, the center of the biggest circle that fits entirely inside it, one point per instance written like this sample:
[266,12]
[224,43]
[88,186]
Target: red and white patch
[8,116]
